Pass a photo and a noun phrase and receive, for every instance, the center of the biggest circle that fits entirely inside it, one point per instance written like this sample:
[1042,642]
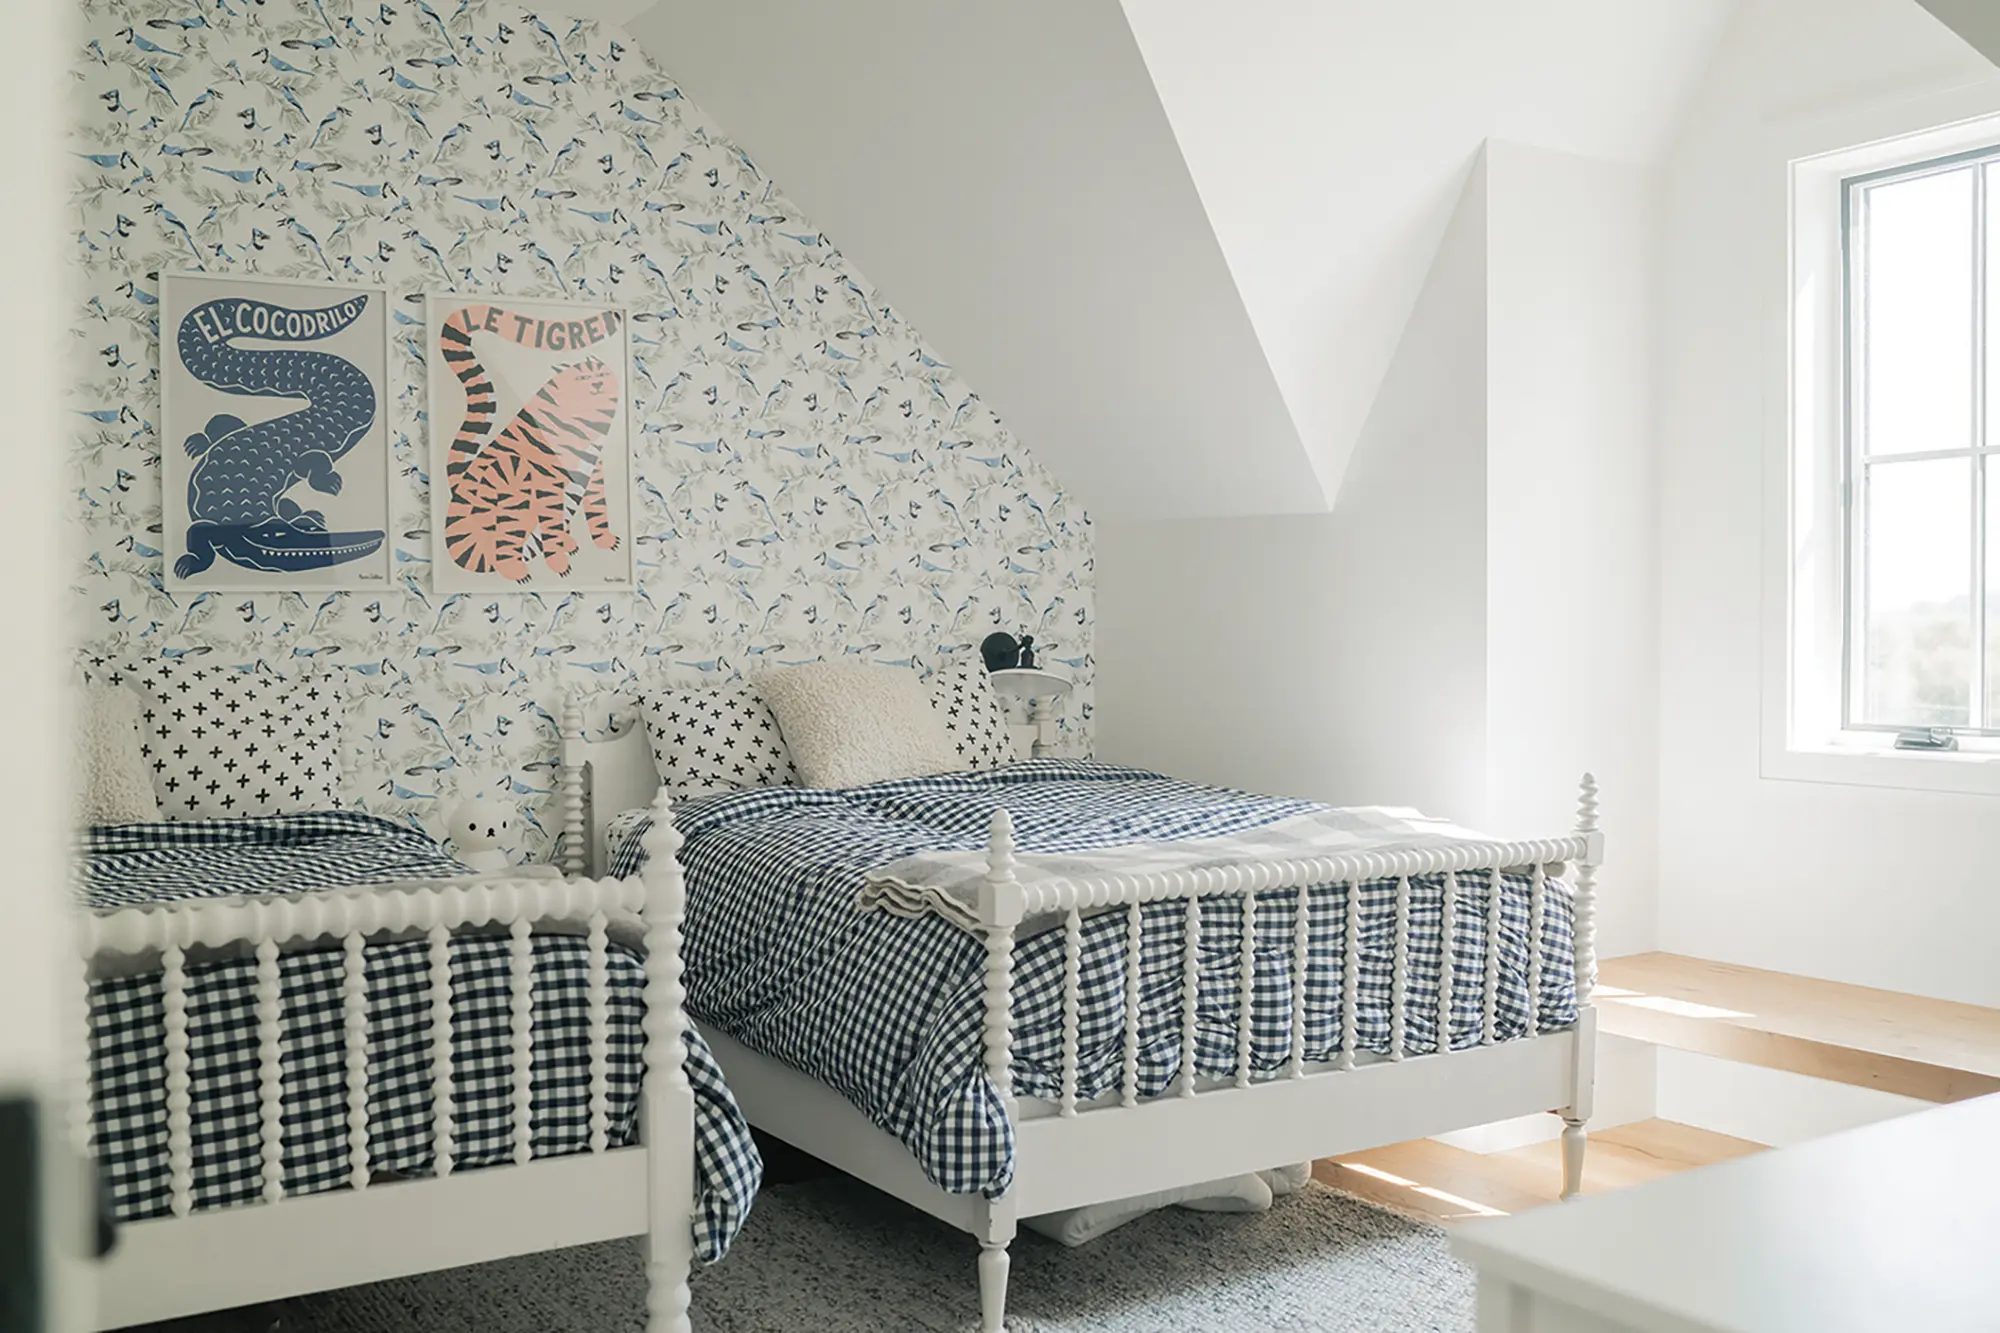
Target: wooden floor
[1906,1044]
[1437,1183]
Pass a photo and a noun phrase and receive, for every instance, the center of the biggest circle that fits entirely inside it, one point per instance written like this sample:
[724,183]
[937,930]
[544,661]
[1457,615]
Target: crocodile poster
[275,451]
[530,454]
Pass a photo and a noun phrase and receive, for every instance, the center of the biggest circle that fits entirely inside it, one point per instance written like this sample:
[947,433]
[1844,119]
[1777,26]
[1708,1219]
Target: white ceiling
[1004,175]
[1174,245]
[1329,139]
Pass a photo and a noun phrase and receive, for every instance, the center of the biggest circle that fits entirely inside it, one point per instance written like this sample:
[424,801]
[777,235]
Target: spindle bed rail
[1075,1152]
[195,1260]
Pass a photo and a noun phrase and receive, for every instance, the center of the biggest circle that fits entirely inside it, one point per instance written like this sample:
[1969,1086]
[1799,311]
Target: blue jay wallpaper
[813,479]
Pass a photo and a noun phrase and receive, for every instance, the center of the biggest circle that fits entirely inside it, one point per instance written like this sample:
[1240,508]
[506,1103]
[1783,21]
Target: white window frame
[1806,736]
[1978,447]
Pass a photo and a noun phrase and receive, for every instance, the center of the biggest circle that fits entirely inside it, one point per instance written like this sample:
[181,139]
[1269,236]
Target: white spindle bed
[199,1260]
[1076,1153]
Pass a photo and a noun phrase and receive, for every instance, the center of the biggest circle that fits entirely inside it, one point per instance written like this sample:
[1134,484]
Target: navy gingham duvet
[888,1010]
[148,864]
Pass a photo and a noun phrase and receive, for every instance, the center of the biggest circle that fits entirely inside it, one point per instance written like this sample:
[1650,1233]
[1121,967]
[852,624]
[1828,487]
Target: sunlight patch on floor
[1429,1192]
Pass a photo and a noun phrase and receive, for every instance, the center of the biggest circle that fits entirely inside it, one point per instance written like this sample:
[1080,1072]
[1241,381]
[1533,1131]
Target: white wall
[1235,650]
[1572,648]
[1885,888]
[1881,887]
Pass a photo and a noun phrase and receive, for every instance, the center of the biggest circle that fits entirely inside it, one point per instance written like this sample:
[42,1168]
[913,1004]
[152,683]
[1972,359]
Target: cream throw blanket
[947,883]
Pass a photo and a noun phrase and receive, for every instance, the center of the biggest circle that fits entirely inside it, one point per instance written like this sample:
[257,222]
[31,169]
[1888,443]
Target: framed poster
[274,449]
[530,444]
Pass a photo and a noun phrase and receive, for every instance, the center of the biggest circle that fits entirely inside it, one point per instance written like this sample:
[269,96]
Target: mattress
[888,1010]
[137,865]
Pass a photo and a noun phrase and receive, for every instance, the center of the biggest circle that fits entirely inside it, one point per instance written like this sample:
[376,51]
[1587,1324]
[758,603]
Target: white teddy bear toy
[477,827]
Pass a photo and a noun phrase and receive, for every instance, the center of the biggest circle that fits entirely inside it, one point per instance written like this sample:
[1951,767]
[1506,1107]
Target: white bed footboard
[1117,1147]
[1003,903]
[370,1229]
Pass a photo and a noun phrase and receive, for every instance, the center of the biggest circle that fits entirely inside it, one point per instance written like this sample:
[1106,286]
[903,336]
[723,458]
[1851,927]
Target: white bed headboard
[601,779]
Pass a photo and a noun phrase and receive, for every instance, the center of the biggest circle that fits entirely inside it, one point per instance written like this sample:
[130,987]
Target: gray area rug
[833,1255]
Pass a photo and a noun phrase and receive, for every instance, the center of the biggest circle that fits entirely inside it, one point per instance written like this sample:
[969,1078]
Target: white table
[1892,1227]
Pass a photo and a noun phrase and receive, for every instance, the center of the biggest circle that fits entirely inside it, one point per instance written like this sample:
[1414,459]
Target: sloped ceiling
[1977,21]
[1331,138]
[1174,243]
[1005,176]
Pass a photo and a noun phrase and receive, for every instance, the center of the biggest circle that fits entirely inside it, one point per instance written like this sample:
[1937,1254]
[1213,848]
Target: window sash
[1857,465]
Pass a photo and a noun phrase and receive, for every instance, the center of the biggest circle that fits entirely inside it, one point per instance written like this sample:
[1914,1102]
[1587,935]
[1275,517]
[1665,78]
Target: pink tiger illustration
[517,494]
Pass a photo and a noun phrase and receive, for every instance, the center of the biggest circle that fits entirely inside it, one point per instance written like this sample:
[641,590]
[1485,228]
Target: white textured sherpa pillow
[850,725]
[113,786]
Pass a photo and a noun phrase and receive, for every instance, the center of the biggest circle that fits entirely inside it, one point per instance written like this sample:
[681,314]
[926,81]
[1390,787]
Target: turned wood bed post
[667,1114]
[570,745]
[431,916]
[1577,1113]
[1000,910]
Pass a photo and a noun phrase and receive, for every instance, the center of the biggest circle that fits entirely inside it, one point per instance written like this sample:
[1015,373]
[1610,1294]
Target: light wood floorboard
[1910,1045]
[1435,1182]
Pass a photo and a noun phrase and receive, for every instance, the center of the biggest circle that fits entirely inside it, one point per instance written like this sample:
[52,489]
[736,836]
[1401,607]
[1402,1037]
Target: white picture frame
[487,358]
[263,488]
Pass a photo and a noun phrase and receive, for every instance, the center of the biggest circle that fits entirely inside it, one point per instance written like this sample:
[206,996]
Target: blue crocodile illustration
[237,502]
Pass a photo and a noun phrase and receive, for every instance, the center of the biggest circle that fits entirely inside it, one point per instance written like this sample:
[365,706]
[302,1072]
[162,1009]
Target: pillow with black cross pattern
[222,743]
[973,716]
[715,740]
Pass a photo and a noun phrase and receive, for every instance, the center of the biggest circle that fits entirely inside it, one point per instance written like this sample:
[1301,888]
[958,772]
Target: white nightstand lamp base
[1042,690]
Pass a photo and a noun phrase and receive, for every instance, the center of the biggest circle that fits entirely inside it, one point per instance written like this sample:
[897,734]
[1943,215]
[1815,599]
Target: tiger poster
[531,452]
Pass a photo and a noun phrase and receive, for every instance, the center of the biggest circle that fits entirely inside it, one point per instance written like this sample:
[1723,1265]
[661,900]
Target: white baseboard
[1766,1105]
[1626,1094]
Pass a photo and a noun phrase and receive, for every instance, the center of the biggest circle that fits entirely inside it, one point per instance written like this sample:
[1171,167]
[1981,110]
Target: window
[1921,334]
[1881,495]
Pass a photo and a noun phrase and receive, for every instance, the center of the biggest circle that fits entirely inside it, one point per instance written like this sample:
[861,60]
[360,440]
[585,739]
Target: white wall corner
[1572,644]
[1333,656]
